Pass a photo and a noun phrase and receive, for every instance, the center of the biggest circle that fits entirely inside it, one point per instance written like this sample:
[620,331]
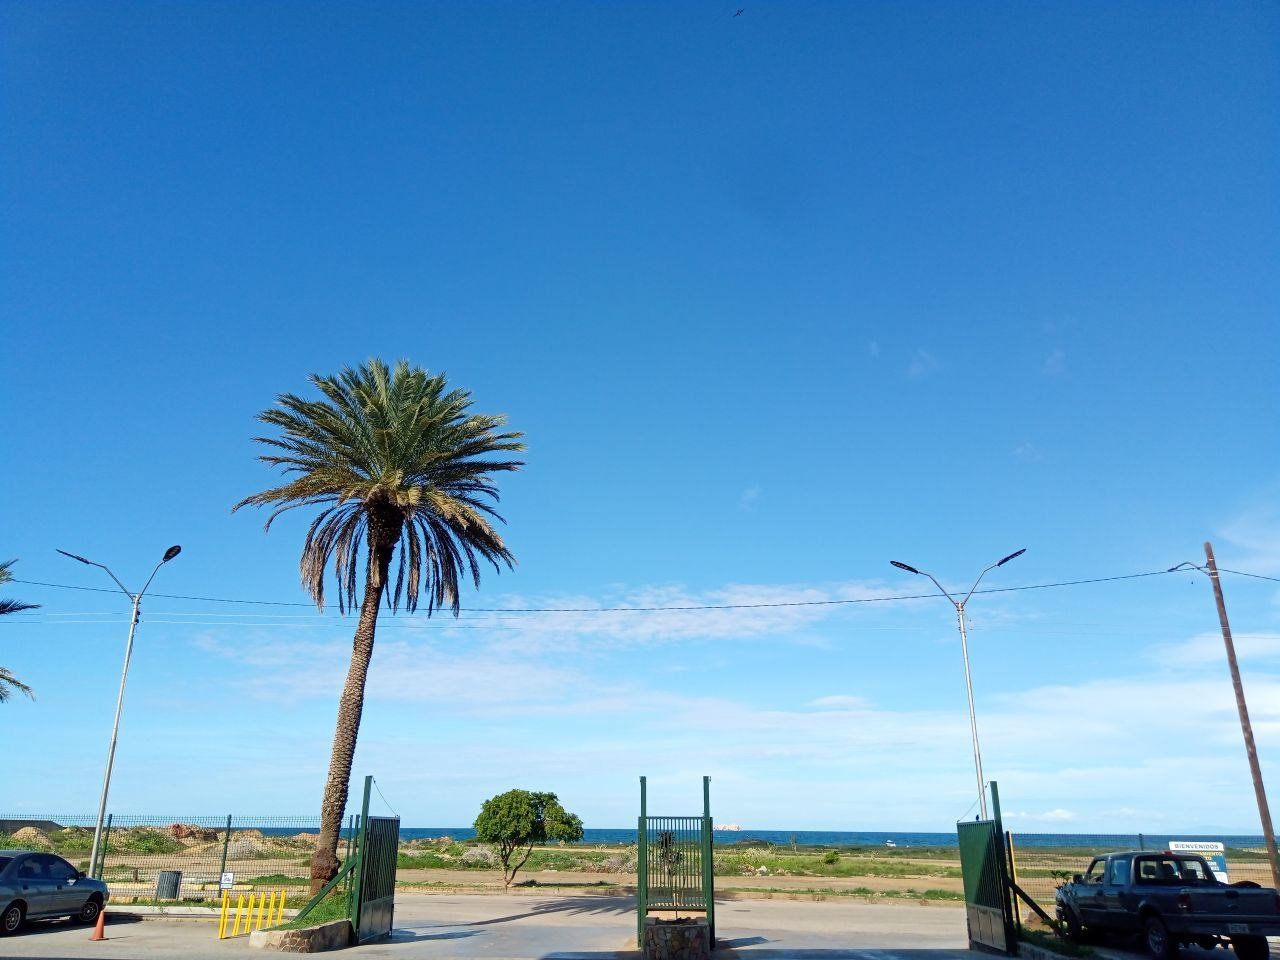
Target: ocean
[852,838]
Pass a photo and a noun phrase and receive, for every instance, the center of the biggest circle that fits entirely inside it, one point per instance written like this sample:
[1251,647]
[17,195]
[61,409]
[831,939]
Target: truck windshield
[1173,870]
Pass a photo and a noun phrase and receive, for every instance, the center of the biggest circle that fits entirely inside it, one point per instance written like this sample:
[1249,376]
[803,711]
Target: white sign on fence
[227,881]
[1212,850]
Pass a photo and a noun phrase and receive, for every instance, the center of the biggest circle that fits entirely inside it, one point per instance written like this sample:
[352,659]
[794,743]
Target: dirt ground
[463,880]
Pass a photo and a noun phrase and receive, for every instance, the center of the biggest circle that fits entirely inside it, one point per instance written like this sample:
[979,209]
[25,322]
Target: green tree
[512,822]
[8,682]
[390,459]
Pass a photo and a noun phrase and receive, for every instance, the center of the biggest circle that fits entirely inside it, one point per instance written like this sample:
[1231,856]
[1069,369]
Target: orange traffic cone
[97,930]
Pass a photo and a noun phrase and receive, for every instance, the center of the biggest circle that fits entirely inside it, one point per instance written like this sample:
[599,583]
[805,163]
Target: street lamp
[124,675]
[1210,569]
[964,650]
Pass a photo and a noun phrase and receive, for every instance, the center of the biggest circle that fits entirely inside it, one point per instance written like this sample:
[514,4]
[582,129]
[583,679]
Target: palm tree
[8,682]
[391,458]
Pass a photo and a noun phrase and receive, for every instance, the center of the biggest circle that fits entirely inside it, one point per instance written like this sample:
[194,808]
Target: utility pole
[1264,813]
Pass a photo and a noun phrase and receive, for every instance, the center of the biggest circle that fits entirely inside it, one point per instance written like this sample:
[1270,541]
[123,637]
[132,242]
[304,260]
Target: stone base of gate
[326,936]
[687,939]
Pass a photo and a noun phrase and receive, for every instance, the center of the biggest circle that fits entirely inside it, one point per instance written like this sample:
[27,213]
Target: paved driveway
[523,927]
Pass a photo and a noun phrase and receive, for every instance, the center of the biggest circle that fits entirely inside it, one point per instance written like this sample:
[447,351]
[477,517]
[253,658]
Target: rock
[688,939]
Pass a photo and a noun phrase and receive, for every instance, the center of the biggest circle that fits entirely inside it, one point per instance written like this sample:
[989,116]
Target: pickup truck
[1169,899]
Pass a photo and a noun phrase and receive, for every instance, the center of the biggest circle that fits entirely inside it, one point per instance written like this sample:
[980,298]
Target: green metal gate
[374,891]
[675,864]
[986,883]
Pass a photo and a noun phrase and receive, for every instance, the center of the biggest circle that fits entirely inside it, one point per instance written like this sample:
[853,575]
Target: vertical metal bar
[1142,842]
[99,868]
[1246,727]
[1013,875]
[642,866]
[708,861]
[973,717]
[358,887]
[226,842]
[1006,890]
[708,878]
[115,732]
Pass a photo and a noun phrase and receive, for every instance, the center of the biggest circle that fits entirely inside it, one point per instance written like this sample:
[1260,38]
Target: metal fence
[261,853]
[1041,861]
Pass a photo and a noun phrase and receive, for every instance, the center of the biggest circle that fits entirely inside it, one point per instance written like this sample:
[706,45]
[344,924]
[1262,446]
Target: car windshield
[5,861]
[1182,871]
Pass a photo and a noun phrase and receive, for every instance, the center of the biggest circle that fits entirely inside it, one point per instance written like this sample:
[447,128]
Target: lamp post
[136,599]
[1210,569]
[964,650]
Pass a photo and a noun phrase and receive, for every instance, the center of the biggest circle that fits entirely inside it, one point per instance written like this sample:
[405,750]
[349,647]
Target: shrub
[831,856]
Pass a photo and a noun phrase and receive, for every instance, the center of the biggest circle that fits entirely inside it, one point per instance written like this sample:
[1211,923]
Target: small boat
[729,827]
[890,843]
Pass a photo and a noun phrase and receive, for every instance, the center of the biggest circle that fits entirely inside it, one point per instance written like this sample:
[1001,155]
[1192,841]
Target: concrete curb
[147,912]
[1031,951]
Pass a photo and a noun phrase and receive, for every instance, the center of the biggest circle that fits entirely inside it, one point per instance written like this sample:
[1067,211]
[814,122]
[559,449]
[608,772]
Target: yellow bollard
[235,929]
[222,917]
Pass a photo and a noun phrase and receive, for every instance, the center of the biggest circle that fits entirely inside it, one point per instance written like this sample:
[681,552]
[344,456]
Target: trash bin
[167,882]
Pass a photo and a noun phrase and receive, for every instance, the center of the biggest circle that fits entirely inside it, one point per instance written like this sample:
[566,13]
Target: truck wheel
[1072,927]
[1156,936]
[1251,947]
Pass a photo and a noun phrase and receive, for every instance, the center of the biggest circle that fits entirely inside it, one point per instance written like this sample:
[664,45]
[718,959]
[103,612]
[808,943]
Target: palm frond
[9,682]
[12,606]
[390,452]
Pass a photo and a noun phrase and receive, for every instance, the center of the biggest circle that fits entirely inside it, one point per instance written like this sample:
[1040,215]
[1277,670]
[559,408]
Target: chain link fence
[1041,861]
[180,858]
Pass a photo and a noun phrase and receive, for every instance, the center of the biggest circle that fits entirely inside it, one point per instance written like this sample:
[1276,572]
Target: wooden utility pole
[1246,727]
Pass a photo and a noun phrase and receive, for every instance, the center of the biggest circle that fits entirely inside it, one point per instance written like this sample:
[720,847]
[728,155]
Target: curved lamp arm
[998,563]
[94,563]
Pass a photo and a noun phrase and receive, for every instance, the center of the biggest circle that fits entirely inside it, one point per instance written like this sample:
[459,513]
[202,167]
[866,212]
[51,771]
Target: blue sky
[776,298]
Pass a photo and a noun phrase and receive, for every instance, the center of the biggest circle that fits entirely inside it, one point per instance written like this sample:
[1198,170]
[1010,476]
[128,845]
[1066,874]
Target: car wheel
[89,912]
[1156,936]
[1251,947]
[12,918]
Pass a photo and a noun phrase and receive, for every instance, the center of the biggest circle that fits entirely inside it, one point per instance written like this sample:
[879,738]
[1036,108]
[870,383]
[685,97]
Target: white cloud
[748,499]
[1209,649]
[839,703]
[1252,540]
[1027,452]
[922,364]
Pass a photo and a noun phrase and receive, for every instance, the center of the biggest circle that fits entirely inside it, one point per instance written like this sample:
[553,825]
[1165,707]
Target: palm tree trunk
[324,862]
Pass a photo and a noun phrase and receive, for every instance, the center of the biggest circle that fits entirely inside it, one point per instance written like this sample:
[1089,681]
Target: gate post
[1006,890]
[226,842]
[358,879]
[708,862]
[642,867]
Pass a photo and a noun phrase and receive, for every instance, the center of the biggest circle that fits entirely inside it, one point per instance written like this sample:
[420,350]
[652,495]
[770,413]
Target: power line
[673,608]
[1256,576]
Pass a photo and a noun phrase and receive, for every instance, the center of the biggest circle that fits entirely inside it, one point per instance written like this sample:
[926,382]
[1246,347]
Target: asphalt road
[549,928]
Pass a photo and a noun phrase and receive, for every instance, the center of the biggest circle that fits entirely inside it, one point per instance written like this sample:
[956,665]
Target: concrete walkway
[549,928]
